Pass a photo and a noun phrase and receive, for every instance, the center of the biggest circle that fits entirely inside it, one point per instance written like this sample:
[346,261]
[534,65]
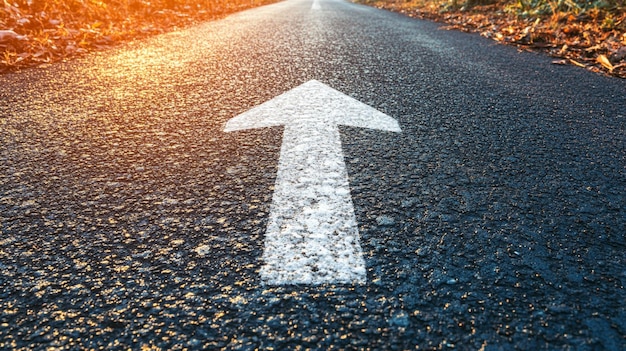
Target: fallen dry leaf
[576,63]
[8,35]
[604,61]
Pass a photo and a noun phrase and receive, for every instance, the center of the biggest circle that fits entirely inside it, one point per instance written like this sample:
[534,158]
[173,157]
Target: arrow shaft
[312,235]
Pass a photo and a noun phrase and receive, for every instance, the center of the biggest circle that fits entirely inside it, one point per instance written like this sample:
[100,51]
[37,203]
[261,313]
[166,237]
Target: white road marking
[312,235]
[316,5]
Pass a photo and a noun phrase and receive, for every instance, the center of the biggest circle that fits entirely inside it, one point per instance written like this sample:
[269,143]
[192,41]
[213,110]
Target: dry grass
[33,32]
[589,34]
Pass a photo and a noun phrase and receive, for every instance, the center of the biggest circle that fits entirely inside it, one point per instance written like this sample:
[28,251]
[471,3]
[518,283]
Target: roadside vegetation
[586,33]
[34,32]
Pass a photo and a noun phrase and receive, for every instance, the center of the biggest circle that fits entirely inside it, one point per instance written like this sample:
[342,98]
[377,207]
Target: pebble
[400,319]
[385,221]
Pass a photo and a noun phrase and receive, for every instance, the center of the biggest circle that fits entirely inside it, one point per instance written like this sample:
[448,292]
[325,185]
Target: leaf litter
[36,32]
[587,34]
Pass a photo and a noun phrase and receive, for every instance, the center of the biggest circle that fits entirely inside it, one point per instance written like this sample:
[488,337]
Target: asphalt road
[495,220]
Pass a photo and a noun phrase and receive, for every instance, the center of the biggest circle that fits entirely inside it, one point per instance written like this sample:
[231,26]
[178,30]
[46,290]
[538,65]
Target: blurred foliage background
[40,31]
[586,33]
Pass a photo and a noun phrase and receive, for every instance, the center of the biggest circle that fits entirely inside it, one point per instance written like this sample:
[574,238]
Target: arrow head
[313,103]
[312,235]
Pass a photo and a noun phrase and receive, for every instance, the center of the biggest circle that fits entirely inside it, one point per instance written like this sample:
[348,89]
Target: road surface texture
[495,220]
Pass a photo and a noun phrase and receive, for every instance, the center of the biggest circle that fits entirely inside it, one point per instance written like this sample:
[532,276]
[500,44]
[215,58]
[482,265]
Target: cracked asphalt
[495,221]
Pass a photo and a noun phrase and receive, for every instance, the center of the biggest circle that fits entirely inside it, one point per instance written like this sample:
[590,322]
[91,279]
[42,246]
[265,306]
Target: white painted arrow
[312,235]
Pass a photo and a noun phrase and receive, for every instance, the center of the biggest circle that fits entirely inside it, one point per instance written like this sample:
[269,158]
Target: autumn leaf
[576,63]
[604,61]
[9,35]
